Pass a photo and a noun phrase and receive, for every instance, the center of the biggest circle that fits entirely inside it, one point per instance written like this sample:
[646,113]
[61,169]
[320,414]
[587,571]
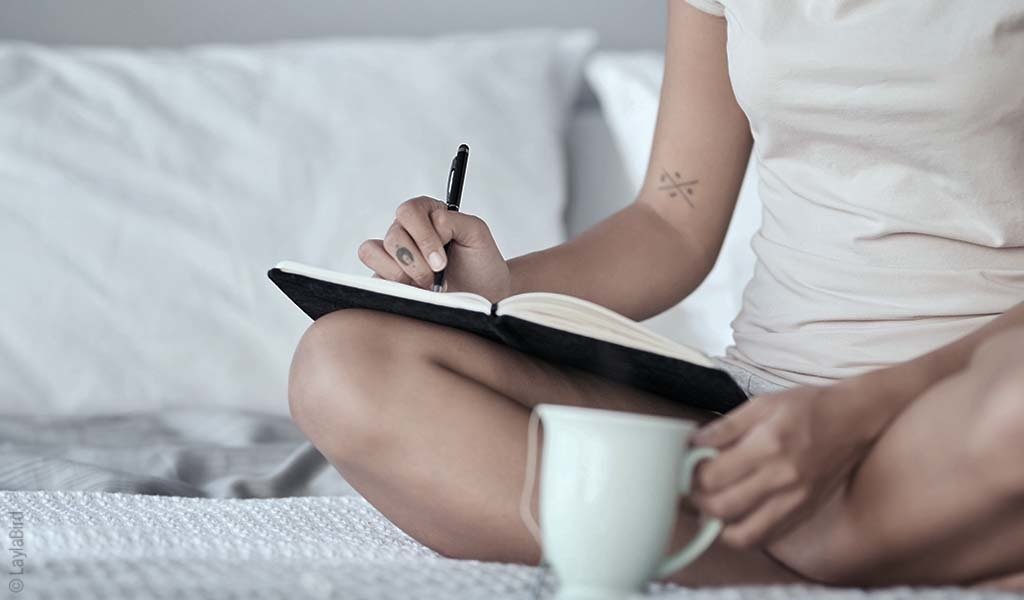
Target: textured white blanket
[99,545]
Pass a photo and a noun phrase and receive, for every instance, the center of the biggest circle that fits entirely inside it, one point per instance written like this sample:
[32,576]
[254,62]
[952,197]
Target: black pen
[456,179]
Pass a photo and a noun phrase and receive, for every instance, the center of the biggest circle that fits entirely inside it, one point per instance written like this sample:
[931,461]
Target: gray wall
[621,23]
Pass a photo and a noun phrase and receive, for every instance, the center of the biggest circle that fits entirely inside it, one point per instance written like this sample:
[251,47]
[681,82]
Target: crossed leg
[429,425]
[940,497]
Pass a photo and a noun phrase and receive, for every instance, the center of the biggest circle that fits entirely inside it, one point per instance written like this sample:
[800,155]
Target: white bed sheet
[246,533]
[88,545]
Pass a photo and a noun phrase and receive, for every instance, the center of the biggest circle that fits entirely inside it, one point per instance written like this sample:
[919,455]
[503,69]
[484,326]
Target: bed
[228,504]
[135,466]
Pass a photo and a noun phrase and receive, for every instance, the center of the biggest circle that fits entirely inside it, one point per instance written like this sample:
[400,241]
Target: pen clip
[448,186]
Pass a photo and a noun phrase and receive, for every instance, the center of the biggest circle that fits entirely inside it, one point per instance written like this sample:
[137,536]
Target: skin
[905,475]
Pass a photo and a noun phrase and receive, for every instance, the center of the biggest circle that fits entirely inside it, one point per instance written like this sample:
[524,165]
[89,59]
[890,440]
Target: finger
[374,256]
[737,462]
[741,498]
[726,430]
[462,229]
[415,217]
[400,246]
[755,527]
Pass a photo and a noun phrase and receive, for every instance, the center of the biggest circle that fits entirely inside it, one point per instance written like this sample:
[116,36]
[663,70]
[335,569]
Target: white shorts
[752,384]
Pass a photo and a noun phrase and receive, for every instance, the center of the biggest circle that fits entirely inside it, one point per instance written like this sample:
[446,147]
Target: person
[883,326]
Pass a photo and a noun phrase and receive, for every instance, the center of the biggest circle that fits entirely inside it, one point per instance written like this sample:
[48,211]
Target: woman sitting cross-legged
[882,333]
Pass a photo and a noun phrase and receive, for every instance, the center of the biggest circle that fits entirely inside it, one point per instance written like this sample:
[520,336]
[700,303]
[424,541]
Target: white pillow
[144,195]
[628,85]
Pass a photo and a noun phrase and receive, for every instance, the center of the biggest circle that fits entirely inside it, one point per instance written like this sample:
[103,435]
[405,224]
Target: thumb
[726,430]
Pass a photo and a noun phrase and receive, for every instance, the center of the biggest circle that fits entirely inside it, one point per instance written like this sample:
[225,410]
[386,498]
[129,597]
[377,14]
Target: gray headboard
[621,23]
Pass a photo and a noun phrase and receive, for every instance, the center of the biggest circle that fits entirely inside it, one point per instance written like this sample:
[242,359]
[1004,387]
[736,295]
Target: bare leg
[429,424]
[1010,582]
[940,498]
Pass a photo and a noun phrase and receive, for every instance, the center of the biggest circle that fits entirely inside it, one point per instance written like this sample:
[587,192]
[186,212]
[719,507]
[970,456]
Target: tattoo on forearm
[676,185]
[403,255]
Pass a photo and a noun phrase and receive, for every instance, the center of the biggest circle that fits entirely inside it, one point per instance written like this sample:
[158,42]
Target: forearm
[890,390]
[633,262]
[649,256]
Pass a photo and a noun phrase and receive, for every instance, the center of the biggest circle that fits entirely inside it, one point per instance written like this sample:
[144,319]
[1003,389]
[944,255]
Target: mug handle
[708,531]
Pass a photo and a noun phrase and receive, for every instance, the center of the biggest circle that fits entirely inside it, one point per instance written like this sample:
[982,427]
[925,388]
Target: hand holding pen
[456,181]
[431,241]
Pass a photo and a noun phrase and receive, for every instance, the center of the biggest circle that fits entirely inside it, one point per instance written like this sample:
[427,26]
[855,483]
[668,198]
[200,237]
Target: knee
[336,378]
[995,441]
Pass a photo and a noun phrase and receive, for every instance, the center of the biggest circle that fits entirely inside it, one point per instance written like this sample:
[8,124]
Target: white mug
[610,483]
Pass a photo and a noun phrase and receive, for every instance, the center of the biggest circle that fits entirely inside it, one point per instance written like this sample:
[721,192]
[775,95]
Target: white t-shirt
[889,139]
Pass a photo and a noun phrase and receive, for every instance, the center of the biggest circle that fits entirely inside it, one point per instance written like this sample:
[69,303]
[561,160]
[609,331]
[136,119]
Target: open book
[554,327]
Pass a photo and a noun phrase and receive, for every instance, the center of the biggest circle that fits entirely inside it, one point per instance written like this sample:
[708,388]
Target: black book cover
[677,380]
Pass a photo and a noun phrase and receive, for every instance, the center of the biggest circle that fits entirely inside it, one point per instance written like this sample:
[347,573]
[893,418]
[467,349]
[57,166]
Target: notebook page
[579,316]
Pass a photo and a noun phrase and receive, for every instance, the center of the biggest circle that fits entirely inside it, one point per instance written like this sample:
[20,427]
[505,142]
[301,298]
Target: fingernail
[436,261]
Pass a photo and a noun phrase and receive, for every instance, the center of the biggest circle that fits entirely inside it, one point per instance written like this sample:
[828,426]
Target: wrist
[509,287]
[514,283]
[522,273]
